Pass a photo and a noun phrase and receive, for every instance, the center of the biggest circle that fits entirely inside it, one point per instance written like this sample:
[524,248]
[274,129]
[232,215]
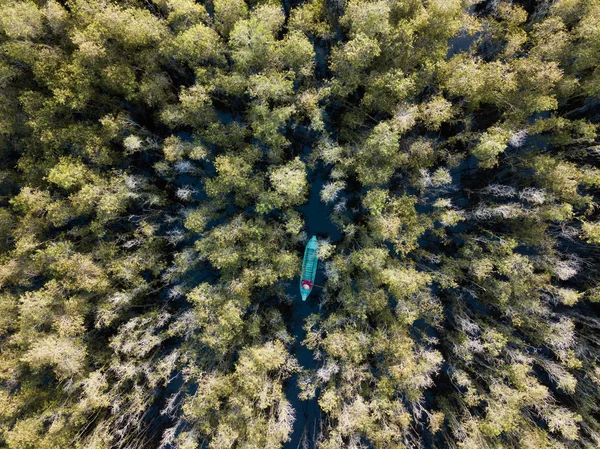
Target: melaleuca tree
[154,157]
[372,373]
[84,251]
[255,174]
[532,211]
[542,184]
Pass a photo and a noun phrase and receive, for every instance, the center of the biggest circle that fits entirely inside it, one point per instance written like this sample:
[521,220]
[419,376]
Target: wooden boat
[309,267]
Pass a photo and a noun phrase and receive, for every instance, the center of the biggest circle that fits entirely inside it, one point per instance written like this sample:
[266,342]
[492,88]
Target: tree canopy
[157,158]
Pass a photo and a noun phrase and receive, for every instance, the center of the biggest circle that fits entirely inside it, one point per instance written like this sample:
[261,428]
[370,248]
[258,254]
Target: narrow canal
[317,222]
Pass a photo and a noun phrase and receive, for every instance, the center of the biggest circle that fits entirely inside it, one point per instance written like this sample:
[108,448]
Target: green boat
[309,267]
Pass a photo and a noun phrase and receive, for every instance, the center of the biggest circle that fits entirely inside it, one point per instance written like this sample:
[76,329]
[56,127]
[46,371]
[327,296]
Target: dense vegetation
[154,155]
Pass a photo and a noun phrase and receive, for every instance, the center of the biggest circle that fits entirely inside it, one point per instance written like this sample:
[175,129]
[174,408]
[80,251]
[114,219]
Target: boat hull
[309,265]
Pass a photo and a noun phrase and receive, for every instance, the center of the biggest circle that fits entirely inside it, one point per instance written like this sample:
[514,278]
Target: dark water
[316,215]
[461,43]
[307,412]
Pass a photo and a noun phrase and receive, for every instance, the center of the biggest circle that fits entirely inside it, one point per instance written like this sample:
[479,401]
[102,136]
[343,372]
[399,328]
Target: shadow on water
[307,421]
[316,213]
[317,222]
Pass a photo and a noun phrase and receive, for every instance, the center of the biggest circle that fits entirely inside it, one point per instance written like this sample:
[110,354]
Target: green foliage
[290,185]
[253,42]
[228,13]
[491,145]
[22,20]
[68,174]
[380,155]
[184,14]
[267,123]
[157,159]
[435,112]
[247,406]
[395,220]
[219,317]
[591,232]
[350,61]
[197,44]
[234,175]
[297,53]
[311,18]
